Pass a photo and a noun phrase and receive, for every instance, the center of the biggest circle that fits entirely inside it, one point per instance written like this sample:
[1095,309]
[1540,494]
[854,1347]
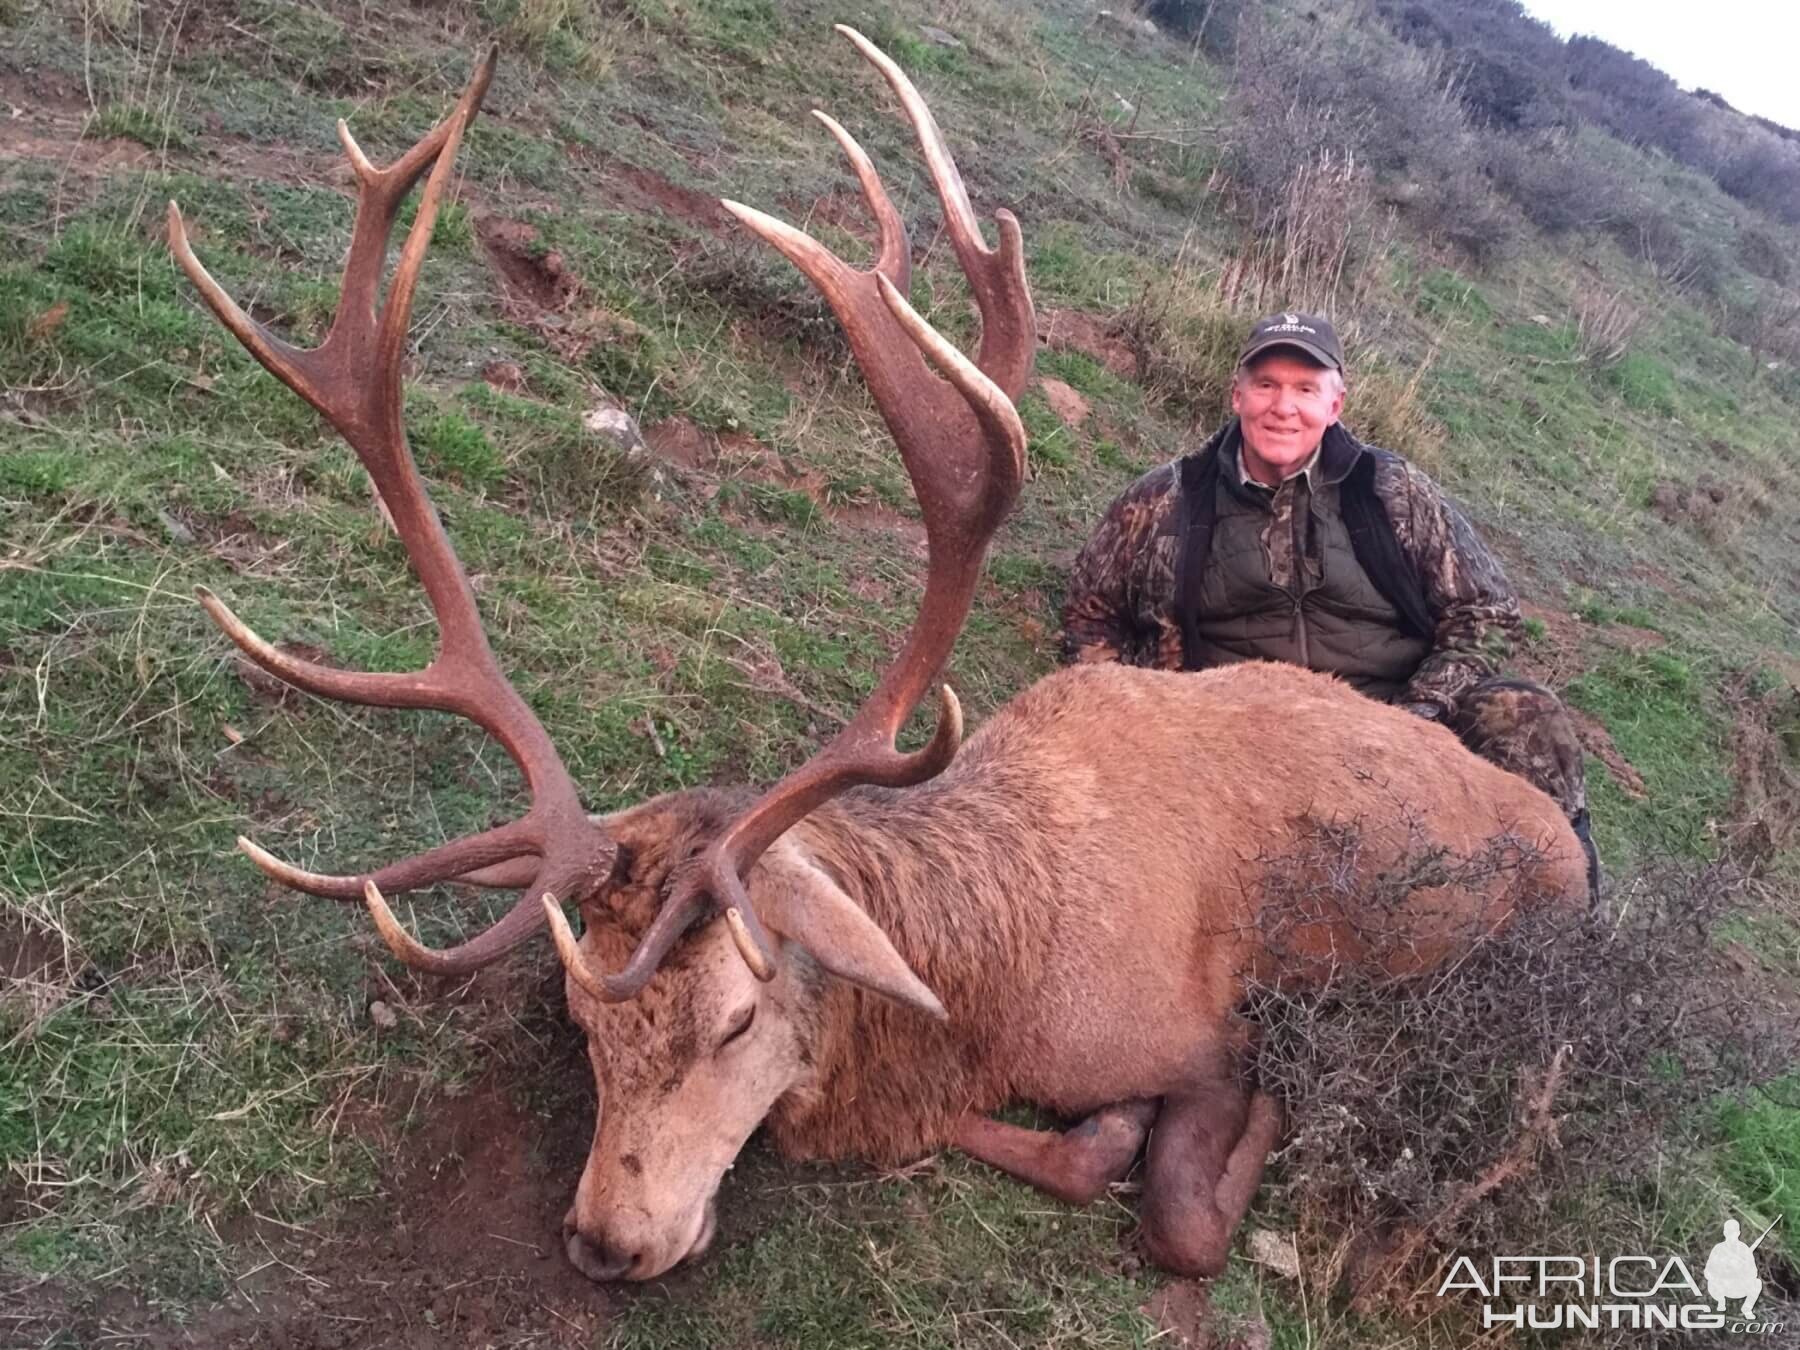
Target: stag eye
[740,1024]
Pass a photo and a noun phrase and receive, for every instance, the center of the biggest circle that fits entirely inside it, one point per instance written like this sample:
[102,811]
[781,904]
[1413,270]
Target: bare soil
[462,1245]
[1090,334]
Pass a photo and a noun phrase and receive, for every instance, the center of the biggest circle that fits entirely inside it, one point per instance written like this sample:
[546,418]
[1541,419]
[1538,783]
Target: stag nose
[592,1258]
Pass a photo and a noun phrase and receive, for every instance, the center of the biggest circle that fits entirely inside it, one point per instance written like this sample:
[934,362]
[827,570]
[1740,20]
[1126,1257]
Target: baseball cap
[1310,333]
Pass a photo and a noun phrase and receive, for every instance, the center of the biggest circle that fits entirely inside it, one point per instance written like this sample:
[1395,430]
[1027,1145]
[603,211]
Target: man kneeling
[1284,538]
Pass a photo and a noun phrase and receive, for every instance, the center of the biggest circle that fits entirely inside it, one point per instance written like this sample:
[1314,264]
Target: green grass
[1761,1159]
[196,1049]
[150,127]
[1656,706]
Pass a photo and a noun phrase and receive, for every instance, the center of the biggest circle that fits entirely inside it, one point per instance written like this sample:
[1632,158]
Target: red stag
[1065,913]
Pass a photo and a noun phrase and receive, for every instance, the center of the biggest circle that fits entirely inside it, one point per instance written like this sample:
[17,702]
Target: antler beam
[354,378]
[964,449]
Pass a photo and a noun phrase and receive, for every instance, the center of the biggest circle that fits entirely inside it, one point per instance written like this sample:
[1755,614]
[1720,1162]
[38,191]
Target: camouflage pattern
[1121,598]
[1524,728]
[1287,551]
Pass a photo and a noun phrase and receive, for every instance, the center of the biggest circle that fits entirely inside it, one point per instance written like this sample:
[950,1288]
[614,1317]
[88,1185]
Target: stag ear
[802,903]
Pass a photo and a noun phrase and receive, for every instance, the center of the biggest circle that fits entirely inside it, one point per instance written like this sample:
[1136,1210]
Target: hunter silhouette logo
[1731,1269]
[1644,1293]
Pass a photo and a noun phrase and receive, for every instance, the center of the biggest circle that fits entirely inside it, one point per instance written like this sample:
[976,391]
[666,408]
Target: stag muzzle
[623,1251]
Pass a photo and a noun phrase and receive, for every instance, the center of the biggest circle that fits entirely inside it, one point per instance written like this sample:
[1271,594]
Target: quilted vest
[1364,619]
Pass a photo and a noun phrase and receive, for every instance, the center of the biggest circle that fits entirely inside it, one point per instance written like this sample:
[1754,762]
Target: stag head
[708,934]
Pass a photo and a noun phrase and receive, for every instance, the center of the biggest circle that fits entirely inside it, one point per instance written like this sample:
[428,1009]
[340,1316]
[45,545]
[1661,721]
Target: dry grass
[1606,321]
[1440,1114]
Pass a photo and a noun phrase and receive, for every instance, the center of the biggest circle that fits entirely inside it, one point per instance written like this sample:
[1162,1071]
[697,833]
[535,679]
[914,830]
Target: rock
[1130,23]
[1276,1251]
[176,531]
[1065,402]
[619,429]
[383,1016]
[939,36]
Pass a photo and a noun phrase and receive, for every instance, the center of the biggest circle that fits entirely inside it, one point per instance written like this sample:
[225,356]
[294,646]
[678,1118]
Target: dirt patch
[1184,1317]
[39,973]
[465,1251]
[539,291]
[681,442]
[1765,753]
[534,281]
[233,538]
[1555,658]
[28,951]
[1065,402]
[1598,742]
[644,190]
[1699,503]
[1093,335]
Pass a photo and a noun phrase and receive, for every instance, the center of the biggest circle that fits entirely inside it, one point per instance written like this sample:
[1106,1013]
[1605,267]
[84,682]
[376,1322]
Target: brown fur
[1080,889]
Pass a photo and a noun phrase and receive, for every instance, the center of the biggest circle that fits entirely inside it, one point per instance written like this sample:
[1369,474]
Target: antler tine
[964,449]
[355,379]
[1008,325]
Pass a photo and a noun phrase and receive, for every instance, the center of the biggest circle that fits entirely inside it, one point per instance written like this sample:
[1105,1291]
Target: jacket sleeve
[1475,610]
[1100,621]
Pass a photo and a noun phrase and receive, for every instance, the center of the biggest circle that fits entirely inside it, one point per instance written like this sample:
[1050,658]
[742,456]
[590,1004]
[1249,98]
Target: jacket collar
[1339,453]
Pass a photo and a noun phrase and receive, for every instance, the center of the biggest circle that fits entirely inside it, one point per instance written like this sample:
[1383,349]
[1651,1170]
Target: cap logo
[1292,320]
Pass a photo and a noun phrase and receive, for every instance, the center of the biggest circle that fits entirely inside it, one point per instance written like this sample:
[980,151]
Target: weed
[1644,383]
[1444,295]
[448,442]
[150,127]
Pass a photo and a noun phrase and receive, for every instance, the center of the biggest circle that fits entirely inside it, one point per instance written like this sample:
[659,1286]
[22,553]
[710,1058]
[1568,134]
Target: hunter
[1284,538]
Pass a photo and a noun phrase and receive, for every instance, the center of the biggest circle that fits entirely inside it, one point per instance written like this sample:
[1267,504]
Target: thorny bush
[1520,1098]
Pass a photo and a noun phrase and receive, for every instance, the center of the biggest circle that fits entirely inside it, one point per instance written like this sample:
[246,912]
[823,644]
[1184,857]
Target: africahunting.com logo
[1552,1293]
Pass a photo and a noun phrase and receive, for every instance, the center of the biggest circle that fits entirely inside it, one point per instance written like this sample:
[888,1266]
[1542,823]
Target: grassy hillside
[225,1114]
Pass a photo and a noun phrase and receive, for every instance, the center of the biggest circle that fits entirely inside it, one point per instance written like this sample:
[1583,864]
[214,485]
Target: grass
[192,1049]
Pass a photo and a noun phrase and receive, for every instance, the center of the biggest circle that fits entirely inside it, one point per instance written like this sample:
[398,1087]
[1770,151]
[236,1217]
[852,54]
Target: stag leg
[1205,1162]
[1077,1165]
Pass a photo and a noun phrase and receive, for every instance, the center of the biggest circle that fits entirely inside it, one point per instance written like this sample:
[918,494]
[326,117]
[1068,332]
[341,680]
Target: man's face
[1284,402]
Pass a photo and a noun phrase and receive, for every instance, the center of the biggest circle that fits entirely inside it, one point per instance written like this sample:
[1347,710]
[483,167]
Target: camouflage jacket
[1123,602]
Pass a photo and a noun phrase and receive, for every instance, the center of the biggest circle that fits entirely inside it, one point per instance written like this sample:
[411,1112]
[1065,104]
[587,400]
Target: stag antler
[354,379]
[964,448]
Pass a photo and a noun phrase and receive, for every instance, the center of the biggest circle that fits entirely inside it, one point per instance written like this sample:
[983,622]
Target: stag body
[1081,890]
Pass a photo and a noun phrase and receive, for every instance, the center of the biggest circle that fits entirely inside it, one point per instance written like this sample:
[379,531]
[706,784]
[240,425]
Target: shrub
[1304,95]
[1510,68]
[1761,252]
[1212,24]
[1568,1055]
[1765,173]
[1557,184]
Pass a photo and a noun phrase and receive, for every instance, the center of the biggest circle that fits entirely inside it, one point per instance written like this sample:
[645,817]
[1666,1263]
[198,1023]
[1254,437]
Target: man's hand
[1429,711]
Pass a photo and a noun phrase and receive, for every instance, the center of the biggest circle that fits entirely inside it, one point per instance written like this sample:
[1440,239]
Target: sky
[1743,49]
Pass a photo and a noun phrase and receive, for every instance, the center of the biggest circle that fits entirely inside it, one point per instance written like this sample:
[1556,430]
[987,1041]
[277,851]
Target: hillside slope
[222,1105]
